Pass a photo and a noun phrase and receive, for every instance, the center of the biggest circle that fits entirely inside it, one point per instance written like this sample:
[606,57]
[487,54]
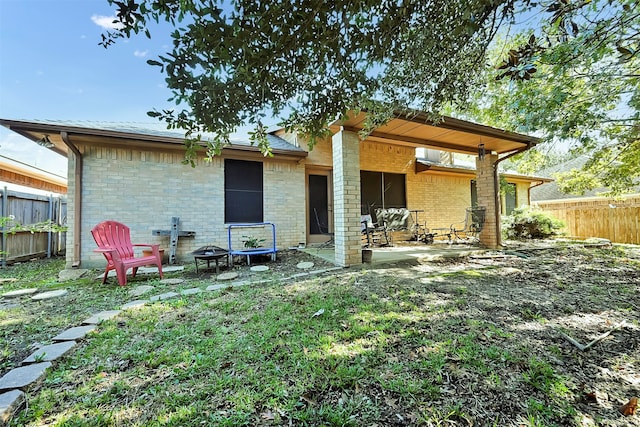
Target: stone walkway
[33,369]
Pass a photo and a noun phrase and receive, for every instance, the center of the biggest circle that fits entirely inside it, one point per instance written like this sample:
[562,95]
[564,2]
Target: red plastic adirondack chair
[114,242]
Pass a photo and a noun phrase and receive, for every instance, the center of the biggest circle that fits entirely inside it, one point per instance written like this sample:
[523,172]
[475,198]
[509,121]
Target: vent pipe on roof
[77,199]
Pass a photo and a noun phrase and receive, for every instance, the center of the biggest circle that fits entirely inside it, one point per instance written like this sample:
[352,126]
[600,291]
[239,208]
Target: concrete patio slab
[406,252]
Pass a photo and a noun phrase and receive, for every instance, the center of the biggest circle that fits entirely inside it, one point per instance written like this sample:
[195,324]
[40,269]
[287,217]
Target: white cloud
[106,22]
[140,53]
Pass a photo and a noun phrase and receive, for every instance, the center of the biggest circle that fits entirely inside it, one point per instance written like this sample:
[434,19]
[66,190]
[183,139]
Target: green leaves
[235,63]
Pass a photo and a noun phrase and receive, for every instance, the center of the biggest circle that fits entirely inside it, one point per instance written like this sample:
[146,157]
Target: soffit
[449,135]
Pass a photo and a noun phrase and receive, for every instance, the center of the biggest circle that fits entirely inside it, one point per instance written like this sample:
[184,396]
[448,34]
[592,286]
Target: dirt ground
[553,299]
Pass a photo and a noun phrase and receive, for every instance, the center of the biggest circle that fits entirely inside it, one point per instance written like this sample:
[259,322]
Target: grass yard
[461,342]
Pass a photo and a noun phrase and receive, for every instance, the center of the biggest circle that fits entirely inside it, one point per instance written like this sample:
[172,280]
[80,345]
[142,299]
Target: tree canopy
[575,81]
[310,61]
[567,70]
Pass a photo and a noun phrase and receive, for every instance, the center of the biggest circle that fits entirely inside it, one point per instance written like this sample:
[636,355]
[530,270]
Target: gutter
[77,198]
[496,183]
[532,187]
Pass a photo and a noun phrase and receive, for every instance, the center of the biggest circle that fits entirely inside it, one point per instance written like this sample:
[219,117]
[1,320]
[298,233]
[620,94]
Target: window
[381,190]
[509,198]
[243,198]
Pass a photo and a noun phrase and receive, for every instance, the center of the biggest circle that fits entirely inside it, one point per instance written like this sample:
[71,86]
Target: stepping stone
[135,304]
[10,404]
[99,317]
[259,268]
[72,334]
[304,265]
[227,276]
[20,292]
[23,376]
[191,291]
[165,269]
[171,281]
[216,287]
[72,274]
[49,353]
[6,306]
[164,296]
[49,295]
[140,290]
[7,280]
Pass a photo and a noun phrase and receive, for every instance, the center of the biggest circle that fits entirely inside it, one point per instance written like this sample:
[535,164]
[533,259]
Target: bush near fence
[616,220]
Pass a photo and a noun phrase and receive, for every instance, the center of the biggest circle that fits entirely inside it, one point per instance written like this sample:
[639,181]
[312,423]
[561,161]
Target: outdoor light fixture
[481,151]
[45,142]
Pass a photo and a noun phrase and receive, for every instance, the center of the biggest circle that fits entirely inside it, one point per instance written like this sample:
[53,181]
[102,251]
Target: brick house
[136,176]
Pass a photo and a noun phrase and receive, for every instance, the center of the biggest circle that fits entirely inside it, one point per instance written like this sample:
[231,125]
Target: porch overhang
[425,166]
[417,129]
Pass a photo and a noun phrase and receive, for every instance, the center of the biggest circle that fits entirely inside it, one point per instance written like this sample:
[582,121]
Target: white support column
[488,196]
[346,198]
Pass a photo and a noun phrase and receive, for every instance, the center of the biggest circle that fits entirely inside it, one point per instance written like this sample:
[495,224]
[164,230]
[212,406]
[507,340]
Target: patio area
[405,251]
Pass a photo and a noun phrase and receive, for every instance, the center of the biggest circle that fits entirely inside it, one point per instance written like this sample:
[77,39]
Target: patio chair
[375,234]
[324,230]
[472,226]
[114,242]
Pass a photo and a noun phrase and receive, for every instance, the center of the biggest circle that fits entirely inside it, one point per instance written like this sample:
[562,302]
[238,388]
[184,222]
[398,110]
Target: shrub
[525,223]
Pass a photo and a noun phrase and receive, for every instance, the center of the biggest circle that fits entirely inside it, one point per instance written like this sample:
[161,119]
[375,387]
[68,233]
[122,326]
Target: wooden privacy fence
[616,220]
[27,209]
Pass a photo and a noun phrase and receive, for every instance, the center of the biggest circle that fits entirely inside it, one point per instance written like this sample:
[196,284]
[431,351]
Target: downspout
[77,199]
[496,183]
[532,187]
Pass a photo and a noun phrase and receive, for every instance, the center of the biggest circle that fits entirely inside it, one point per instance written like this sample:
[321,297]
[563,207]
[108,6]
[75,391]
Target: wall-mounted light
[481,151]
[45,142]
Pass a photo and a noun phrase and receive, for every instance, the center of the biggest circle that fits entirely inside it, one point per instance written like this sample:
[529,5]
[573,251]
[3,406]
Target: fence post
[3,213]
[50,233]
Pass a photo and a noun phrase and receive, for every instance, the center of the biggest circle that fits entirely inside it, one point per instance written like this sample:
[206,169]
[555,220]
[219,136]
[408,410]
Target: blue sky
[51,67]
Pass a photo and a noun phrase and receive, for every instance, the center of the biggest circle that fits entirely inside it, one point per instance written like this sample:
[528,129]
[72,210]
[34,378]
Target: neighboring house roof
[416,129]
[49,133]
[424,165]
[16,172]
[551,191]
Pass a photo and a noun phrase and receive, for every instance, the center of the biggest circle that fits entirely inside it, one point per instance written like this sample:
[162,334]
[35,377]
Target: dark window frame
[243,191]
[369,180]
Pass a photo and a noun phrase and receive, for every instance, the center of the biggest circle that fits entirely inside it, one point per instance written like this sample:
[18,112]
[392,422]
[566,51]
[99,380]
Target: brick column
[346,198]
[487,197]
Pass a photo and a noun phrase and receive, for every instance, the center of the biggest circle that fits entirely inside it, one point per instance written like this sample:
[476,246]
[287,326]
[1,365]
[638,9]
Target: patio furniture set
[378,232]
